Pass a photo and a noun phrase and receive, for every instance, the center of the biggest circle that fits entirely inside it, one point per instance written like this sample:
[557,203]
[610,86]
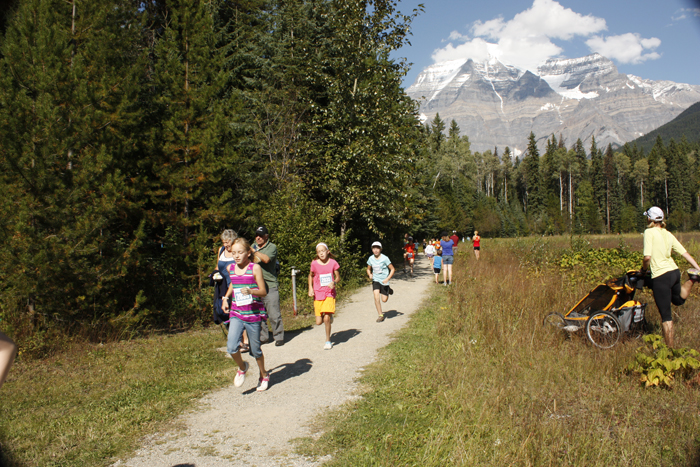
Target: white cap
[376,244]
[654,213]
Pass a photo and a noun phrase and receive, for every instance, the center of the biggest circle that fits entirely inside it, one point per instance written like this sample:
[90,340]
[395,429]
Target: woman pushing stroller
[666,277]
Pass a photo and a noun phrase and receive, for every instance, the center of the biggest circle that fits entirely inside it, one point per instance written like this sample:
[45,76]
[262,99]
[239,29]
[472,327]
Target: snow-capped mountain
[498,105]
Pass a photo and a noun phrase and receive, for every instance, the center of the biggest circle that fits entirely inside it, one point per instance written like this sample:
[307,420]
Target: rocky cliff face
[498,105]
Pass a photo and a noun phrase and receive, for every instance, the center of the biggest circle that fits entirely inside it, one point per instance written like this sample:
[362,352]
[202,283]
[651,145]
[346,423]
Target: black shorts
[383,289]
[667,290]
[477,248]
[437,270]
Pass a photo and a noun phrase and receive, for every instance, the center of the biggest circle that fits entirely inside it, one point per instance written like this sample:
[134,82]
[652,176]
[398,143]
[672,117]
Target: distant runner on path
[409,254]
[477,244]
[380,271]
[455,241]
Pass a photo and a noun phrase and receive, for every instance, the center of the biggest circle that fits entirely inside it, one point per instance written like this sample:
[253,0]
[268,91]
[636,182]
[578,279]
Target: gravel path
[241,427]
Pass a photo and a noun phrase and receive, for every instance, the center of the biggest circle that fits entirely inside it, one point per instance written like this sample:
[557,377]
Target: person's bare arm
[392,270]
[261,291]
[311,284]
[689,259]
[262,257]
[8,350]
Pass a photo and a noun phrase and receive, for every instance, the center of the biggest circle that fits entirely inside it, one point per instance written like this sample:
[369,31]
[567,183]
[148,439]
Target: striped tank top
[247,308]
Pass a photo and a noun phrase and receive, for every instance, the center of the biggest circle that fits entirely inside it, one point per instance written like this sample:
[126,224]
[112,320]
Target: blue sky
[653,39]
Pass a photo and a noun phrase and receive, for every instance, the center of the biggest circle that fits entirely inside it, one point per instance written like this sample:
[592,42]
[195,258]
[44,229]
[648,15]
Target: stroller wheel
[603,329]
[554,319]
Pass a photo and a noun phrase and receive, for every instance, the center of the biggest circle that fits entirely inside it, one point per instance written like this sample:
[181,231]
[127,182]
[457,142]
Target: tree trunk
[561,194]
[607,203]
[571,198]
[666,193]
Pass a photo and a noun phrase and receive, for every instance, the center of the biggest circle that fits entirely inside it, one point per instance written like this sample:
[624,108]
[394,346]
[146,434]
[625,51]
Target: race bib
[326,279]
[242,299]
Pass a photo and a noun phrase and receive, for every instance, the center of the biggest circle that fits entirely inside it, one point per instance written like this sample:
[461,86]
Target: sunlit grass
[477,380]
[85,407]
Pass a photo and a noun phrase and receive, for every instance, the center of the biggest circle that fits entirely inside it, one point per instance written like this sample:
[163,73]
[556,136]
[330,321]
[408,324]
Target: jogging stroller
[606,312]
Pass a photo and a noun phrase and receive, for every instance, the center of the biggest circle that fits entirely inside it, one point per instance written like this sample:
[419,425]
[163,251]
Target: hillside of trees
[133,133]
[569,189]
[686,124]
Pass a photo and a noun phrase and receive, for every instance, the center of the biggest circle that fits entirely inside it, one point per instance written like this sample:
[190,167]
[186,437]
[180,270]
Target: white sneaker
[263,383]
[240,376]
[328,346]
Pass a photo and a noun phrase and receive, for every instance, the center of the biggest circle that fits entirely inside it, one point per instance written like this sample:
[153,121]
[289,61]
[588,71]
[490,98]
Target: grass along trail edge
[241,427]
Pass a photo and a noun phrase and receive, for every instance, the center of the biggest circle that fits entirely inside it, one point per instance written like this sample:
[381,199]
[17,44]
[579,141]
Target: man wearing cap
[266,252]
[666,277]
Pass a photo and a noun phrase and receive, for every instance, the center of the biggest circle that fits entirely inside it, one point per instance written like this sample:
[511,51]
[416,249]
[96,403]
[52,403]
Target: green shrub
[661,365]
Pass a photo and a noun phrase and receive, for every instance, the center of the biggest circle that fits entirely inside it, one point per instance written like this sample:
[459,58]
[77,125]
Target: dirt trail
[241,427]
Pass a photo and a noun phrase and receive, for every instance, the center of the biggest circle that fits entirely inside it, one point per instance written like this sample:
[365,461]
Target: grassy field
[93,403]
[477,380]
[474,380]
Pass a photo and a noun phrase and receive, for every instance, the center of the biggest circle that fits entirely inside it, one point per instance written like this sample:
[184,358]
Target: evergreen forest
[134,132]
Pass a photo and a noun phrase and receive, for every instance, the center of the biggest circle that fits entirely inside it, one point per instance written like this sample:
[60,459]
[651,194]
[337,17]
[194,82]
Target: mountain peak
[497,104]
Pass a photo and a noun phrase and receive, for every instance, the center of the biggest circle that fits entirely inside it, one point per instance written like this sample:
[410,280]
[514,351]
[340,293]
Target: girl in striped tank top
[247,310]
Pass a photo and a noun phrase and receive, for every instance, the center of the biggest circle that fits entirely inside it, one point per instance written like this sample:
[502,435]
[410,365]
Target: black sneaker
[694,274]
[279,343]
[390,291]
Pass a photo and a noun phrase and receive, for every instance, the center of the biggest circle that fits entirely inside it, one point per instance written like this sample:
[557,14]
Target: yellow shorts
[324,306]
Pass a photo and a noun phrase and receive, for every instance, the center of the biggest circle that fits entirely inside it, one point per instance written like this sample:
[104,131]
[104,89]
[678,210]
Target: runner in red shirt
[410,254]
[477,244]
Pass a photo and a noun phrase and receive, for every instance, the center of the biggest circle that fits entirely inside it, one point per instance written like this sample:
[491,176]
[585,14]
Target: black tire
[603,329]
[554,319]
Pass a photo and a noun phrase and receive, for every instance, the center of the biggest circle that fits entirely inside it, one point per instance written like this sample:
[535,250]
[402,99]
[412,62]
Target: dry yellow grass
[478,380]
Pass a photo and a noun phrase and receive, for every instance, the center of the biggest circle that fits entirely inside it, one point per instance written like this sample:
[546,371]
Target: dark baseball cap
[261,231]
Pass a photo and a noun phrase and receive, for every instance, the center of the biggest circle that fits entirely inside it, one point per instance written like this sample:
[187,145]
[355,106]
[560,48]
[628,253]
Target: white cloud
[456,36]
[683,13]
[526,40]
[625,48]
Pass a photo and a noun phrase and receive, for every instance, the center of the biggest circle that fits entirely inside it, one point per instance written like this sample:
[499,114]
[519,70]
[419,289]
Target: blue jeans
[448,259]
[235,333]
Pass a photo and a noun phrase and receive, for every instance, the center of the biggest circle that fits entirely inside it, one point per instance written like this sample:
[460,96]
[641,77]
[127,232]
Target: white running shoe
[328,346]
[240,376]
[263,383]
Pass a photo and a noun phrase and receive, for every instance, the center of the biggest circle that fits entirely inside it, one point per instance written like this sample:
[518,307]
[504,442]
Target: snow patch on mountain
[555,82]
[437,76]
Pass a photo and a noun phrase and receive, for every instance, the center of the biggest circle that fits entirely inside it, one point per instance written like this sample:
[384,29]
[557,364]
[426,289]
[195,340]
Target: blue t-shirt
[437,262]
[446,247]
[380,267]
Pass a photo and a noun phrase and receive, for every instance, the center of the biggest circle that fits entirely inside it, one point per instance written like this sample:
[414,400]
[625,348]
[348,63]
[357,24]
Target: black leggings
[667,290]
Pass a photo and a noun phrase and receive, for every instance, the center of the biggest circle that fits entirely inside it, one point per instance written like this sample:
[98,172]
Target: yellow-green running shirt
[658,244]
